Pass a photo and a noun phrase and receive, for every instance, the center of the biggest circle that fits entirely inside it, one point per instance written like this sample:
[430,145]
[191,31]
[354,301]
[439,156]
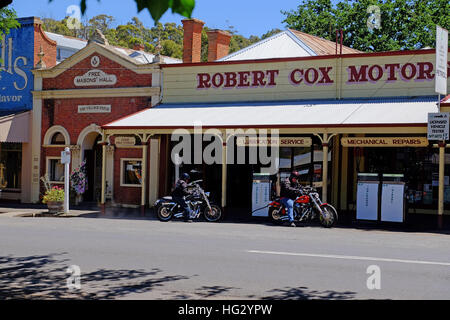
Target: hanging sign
[125,141]
[438,126]
[384,142]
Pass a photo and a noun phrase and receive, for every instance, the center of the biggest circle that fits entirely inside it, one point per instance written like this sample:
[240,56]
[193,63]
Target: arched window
[58,138]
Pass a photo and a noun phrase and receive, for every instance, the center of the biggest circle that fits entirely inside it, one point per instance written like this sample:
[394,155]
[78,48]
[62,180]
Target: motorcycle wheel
[214,215]
[330,216]
[274,215]
[164,213]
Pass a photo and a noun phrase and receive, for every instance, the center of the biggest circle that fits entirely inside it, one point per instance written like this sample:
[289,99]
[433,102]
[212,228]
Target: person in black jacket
[288,193]
[180,192]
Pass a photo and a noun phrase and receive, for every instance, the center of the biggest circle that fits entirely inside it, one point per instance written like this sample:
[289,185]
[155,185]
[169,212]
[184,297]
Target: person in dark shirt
[288,193]
[180,192]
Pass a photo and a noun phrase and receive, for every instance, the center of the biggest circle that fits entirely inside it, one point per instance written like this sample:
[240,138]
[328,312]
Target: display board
[392,202]
[367,200]
[260,195]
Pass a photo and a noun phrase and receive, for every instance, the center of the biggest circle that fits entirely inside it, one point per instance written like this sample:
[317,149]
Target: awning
[15,127]
[292,114]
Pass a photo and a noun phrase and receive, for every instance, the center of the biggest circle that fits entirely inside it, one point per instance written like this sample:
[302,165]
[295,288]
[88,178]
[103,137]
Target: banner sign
[385,142]
[441,60]
[272,142]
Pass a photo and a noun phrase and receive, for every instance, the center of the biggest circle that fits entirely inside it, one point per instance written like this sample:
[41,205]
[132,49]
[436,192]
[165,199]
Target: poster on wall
[260,195]
[392,204]
[367,201]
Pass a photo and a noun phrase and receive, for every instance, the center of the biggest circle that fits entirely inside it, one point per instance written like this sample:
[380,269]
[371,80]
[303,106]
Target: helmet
[185,176]
[294,174]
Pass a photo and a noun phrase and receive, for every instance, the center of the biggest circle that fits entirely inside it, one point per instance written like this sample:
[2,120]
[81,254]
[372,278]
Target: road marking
[332,256]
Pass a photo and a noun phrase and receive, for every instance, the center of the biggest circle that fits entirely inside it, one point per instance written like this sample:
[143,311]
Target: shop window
[10,165]
[55,170]
[58,139]
[131,172]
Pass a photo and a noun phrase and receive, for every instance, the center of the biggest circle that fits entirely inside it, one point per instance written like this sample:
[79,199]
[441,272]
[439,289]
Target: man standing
[288,193]
[180,192]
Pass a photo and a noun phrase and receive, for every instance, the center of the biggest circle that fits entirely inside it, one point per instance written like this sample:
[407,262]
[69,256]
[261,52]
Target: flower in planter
[55,194]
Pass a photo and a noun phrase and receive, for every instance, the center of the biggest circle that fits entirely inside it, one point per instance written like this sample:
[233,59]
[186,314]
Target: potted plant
[54,198]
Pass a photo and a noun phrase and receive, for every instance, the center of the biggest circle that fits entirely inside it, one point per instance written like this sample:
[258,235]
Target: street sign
[441,60]
[65,156]
[438,126]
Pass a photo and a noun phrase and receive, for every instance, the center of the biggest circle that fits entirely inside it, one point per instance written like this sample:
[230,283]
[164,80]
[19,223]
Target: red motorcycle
[307,206]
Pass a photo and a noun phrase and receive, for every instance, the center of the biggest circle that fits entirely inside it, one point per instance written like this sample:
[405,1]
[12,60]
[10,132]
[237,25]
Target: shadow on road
[302,293]
[45,277]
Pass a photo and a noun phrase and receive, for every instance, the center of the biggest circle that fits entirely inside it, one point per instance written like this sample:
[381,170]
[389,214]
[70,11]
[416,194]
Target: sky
[248,17]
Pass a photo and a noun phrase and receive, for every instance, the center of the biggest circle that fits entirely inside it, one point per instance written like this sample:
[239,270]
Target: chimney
[218,44]
[139,47]
[192,41]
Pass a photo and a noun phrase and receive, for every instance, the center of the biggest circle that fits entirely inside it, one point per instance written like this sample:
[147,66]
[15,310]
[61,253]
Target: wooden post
[441,183]
[325,168]
[102,202]
[144,176]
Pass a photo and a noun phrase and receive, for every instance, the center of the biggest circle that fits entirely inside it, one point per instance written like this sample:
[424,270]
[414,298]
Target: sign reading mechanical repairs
[385,142]
[16,79]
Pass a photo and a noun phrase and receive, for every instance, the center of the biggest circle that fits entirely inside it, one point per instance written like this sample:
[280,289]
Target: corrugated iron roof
[389,111]
[321,46]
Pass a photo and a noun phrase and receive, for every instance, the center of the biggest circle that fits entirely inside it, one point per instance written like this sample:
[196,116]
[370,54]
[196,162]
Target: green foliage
[169,35]
[8,21]
[405,24]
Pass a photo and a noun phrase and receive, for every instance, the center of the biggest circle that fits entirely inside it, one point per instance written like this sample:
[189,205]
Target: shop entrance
[93,158]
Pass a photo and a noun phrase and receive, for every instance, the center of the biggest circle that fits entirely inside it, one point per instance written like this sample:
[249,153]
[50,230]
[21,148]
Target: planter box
[55,207]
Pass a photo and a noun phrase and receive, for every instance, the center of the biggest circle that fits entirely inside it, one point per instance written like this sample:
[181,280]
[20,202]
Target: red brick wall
[48,47]
[64,112]
[125,77]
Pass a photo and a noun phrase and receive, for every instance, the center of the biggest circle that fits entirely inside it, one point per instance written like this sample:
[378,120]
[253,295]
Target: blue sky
[248,17]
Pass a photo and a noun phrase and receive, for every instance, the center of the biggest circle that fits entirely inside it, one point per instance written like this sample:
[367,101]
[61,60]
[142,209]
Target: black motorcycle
[198,201]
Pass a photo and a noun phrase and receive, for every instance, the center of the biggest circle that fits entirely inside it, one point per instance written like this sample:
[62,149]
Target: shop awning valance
[15,127]
[292,114]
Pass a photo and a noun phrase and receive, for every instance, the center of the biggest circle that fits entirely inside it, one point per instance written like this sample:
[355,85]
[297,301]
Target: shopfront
[325,100]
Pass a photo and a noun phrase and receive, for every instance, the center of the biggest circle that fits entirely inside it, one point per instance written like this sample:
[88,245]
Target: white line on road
[332,256]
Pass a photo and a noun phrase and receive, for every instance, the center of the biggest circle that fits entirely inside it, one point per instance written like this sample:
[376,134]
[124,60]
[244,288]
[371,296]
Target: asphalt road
[148,259]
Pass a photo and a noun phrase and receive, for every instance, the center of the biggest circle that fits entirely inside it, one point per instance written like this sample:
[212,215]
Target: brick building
[95,86]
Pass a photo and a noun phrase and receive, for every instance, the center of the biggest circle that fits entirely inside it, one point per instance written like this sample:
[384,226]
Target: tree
[404,24]
[8,21]
[157,8]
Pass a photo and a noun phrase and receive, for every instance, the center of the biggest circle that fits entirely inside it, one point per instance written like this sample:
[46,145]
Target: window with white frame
[55,169]
[131,172]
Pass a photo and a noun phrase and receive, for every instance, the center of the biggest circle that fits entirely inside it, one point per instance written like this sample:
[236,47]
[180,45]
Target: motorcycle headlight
[207,194]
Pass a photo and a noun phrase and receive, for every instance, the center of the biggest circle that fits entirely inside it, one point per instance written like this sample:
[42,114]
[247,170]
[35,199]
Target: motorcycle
[307,206]
[198,201]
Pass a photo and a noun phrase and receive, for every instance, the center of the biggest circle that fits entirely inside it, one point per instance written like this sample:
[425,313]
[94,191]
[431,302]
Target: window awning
[292,114]
[15,127]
